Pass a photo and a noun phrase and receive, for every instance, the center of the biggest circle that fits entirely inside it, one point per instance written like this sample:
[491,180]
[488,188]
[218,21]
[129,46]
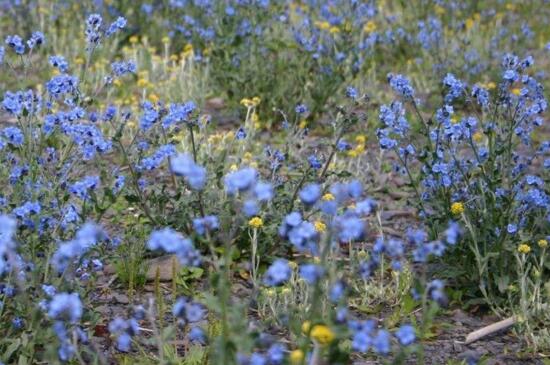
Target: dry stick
[490,329]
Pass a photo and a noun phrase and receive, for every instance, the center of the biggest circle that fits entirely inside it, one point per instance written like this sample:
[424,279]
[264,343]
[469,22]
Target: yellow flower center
[320,226]
[457,208]
[322,334]
[296,357]
[256,222]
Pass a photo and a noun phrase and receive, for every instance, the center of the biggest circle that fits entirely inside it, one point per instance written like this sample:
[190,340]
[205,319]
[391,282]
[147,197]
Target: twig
[490,329]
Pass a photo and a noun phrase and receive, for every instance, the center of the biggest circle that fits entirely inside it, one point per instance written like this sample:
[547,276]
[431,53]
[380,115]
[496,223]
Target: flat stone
[164,266]
[121,298]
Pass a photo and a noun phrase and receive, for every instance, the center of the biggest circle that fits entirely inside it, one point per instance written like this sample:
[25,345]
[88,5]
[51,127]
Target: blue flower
[401,85]
[179,113]
[276,354]
[49,290]
[188,311]
[453,233]
[173,242]
[381,342]
[455,86]
[512,228]
[122,68]
[205,224]
[197,335]
[351,92]
[314,162]
[263,191]
[65,307]
[124,330]
[86,237]
[17,323]
[300,233]
[59,62]
[62,84]
[337,291]
[16,43]
[278,273]
[82,188]
[14,136]
[311,273]
[150,116]
[301,109]
[152,162]
[240,181]
[27,209]
[436,292]
[37,39]
[184,165]
[93,24]
[310,194]
[118,24]
[349,228]
[251,208]
[406,334]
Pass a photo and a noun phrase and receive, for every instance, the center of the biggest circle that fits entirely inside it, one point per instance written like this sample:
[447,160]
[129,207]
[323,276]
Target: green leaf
[502,283]
[12,349]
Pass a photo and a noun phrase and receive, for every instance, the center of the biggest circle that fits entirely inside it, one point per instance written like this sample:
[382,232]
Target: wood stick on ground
[490,329]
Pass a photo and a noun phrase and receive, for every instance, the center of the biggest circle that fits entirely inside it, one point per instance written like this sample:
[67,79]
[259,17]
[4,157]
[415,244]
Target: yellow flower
[457,208]
[233,167]
[439,10]
[256,222]
[328,197]
[270,292]
[296,357]
[524,248]
[322,25]
[360,149]
[322,334]
[154,98]
[478,136]
[79,61]
[543,243]
[306,327]
[469,23]
[491,85]
[352,153]
[286,291]
[303,124]
[320,226]
[133,39]
[369,27]
[250,103]
[361,139]
[334,30]
[142,83]
[165,39]
[516,91]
